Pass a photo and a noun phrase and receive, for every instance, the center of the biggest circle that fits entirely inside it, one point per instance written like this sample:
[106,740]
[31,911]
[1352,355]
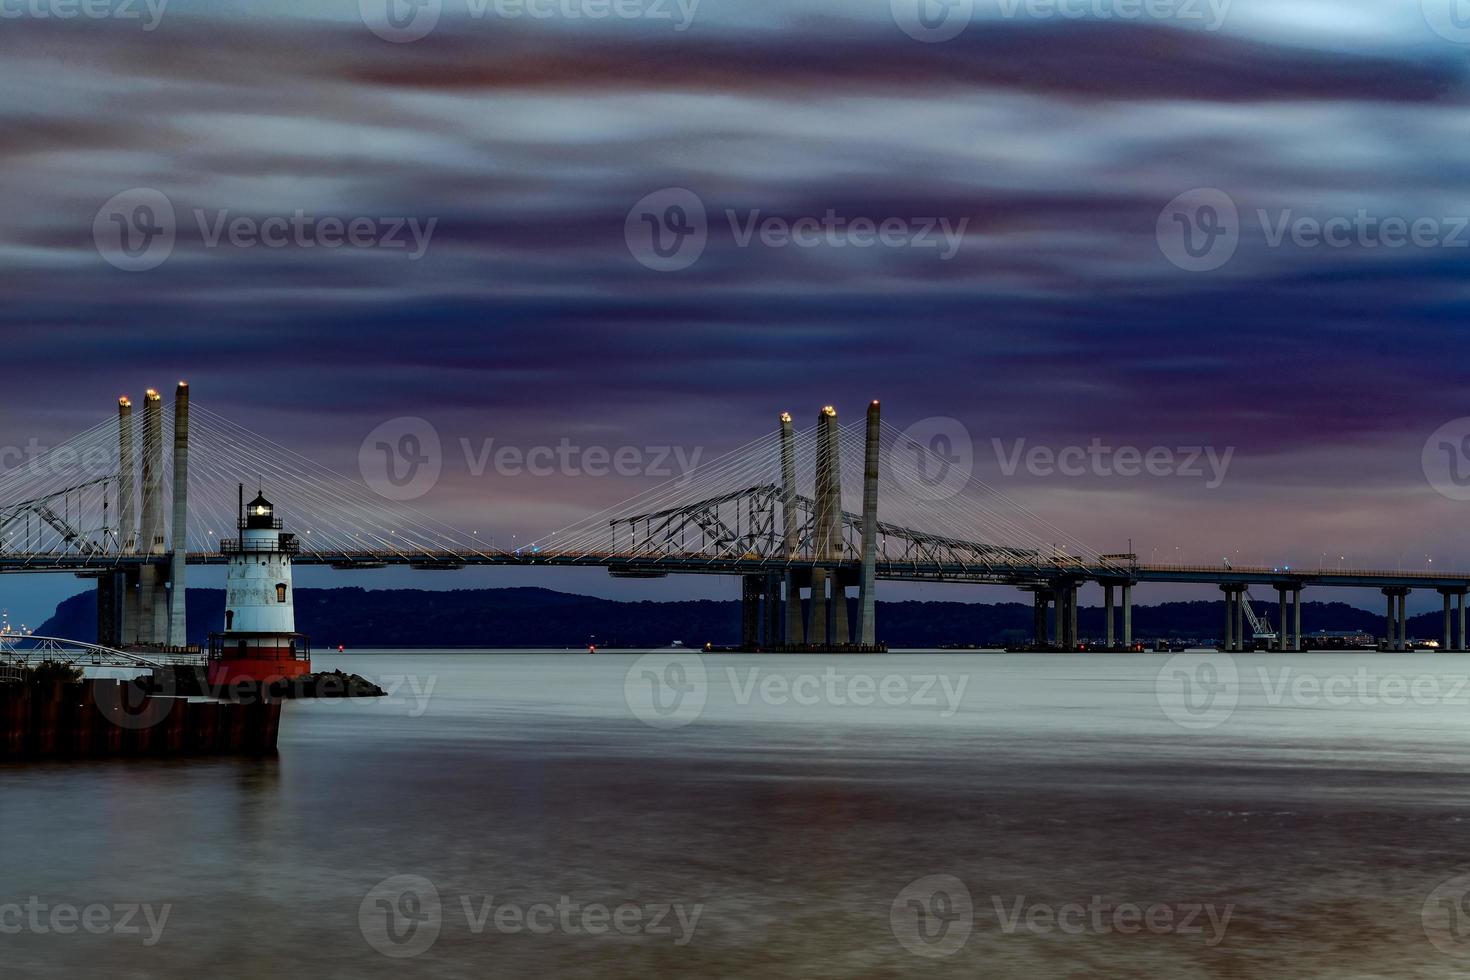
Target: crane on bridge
[1260,625]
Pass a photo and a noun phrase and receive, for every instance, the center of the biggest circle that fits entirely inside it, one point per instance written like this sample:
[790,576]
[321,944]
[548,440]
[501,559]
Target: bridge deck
[1022,573]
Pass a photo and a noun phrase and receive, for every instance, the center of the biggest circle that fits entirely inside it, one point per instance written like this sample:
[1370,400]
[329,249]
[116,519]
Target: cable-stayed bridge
[810,518]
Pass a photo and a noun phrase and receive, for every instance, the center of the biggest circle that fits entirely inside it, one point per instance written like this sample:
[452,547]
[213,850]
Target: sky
[1234,233]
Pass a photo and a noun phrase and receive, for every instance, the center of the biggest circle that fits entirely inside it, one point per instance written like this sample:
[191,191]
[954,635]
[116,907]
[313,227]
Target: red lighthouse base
[236,658]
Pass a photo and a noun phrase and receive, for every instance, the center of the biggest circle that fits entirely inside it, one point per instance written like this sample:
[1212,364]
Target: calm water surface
[781,830]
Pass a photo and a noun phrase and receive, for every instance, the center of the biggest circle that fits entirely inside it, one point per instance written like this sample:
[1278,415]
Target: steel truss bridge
[772,513]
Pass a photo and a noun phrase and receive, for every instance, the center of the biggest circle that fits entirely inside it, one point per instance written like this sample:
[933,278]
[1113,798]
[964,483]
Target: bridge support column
[1453,639]
[1108,611]
[841,634]
[178,626]
[818,628]
[795,634]
[1283,634]
[1066,616]
[1398,625]
[1296,615]
[1232,618]
[131,614]
[1449,639]
[867,631]
[152,604]
[1463,644]
[1040,602]
[751,589]
[1390,628]
[771,612]
[1128,616]
[1404,620]
[792,532]
[111,595]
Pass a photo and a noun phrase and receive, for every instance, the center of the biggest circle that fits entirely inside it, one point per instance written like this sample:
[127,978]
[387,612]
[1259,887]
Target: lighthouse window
[281,592]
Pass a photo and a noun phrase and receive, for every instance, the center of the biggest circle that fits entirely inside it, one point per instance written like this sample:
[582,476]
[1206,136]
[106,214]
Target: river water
[529,815]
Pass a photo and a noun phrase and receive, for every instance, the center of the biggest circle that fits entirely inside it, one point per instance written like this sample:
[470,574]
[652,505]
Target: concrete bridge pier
[1128,615]
[1296,619]
[1281,634]
[795,633]
[1397,637]
[1450,635]
[1108,611]
[1040,610]
[1234,618]
[1066,616]
[1289,634]
[752,590]
[771,612]
[111,600]
[867,631]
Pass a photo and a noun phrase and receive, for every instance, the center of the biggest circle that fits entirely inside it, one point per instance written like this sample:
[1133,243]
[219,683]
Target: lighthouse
[259,644]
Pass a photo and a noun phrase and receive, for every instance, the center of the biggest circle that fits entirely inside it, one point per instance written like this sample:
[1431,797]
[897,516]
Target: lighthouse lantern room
[259,644]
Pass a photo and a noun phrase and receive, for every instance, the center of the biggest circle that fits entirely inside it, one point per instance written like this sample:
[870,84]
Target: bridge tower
[259,644]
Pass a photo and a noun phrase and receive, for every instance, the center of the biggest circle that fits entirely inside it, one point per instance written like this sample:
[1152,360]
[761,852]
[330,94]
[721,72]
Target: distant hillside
[529,617]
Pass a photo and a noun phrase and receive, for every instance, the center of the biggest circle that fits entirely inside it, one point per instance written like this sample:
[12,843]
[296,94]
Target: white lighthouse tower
[259,643]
